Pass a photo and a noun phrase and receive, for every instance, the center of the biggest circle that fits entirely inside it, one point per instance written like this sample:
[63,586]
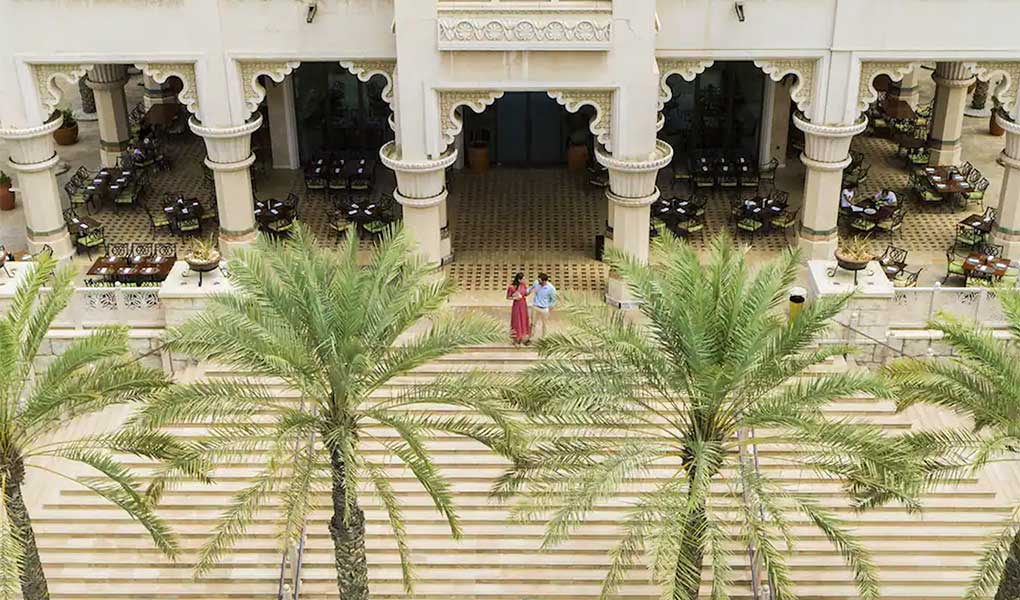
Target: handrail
[870,338]
[292,561]
[756,591]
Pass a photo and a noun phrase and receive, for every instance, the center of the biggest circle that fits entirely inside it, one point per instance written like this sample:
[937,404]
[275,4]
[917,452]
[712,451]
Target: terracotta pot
[478,157]
[577,157]
[6,198]
[65,136]
[993,126]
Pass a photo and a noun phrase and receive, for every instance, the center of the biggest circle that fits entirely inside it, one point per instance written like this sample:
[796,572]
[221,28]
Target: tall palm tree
[335,333]
[981,383]
[95,372]
[709,371]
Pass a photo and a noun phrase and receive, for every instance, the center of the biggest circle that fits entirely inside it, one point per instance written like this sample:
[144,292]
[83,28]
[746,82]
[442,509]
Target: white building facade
[441,58]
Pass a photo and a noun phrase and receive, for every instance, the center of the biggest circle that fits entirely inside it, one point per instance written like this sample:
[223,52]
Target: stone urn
[851,263]
[203,263]
[66,134]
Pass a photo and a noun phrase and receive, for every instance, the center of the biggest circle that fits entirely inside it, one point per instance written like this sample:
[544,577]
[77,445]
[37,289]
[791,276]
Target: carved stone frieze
[803,91]
[450,121]
[46,75]
[686,68]
[161,72]
[366,69]
[524,30]
[870,70]
[250,72]
[601,100]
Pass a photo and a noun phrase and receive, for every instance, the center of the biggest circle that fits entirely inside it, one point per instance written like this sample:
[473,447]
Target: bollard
[797,297]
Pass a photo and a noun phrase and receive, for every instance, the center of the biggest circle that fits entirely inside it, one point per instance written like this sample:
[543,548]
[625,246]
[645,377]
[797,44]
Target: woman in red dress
[520,328]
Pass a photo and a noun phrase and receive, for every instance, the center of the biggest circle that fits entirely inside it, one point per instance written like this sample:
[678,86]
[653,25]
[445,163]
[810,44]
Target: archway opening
[522,197]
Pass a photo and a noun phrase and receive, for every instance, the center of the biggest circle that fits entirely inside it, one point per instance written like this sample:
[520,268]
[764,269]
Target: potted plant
[993,125]
[478,152]
[67,134]
[6,195]
[577,150]
[203,257]
[854,254]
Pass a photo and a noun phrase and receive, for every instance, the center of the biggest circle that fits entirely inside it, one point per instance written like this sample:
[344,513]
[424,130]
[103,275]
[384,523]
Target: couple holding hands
[545,299]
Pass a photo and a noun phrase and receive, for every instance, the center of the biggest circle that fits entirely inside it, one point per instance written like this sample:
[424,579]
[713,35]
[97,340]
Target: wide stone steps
[93,551]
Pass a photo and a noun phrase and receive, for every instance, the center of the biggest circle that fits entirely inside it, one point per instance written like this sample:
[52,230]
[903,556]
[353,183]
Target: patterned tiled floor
[530,220]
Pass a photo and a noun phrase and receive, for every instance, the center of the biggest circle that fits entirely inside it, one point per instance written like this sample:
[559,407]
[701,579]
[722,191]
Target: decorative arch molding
[686,68]
[365,69]
[161,72]
[601,100]
[866,92]
[255,92]
[46,75]
[803,91]
[1009,73]
[450,121]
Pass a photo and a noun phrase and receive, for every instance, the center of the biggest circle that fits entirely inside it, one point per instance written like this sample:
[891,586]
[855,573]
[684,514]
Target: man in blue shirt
[545,300]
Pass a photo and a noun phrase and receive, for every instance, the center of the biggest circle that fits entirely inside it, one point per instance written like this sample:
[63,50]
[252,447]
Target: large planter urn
[851,264]
[6,197]
[203,265]
[478,157]
[577,157]
[993,126]
[66,136]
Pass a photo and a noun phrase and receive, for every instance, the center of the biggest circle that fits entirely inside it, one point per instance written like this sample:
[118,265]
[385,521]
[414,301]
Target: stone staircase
[92,550]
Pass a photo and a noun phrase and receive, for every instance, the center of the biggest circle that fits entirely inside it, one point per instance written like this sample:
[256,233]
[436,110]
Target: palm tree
[335,333]
[982,383]
[709,372]
[95,372]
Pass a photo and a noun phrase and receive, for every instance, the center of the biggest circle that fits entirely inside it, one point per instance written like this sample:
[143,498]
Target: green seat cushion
[975,195]
[160,220]
[956,267]
[281,226]
[749,225]
[863,225]
[375,227]
[970,238]
[91,240]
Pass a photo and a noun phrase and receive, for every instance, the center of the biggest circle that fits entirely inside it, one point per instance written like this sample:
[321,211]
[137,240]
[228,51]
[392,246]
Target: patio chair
[750,226]
[784,222]
[3,260]
[974,175]
[189,225]
[81,175]
[375,228]
[118,249]
[966,168]
[954,264]
[165,250]
[698,202]
[141,249]
[918,157]
[767,172]
[862,225]
[893,256]
[76,196]
[990,250]
[969,237]
[703,180]
[337,224]
[894,223]
[681,169]
[907,279]
[95,238]
[978,195]
[362,182]
[157,219]
[691,226]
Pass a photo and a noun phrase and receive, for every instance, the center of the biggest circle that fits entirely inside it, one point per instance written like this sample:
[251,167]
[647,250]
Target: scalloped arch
[686,68]
[803,91]
[250,71]
[46,75]
[161,72]
[367,69]
[451,122]
[601,100]
[1007,90]
[870,70]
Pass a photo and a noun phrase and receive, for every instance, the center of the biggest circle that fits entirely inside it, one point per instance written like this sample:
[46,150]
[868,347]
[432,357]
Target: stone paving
[536,220]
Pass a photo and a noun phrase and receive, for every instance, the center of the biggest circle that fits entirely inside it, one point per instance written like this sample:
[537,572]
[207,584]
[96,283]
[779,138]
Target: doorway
[525,130]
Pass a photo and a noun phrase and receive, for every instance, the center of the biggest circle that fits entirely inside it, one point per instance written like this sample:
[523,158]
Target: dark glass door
[524,129]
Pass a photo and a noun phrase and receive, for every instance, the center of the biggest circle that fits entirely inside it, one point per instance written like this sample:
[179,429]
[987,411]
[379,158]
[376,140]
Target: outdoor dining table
[763,208]
[182,209]
[871,209]
[107,182]
[161,115]
[271,210]
[81,226]
[985,267]
[947,180]
[132,269]
[361,213]
[978,223]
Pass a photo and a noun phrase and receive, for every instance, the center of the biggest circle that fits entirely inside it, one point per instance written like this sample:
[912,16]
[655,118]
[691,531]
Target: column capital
[103,86]
[634,179]
[420,183]
[1012,150]
[828,143]
[227,145]
[634,202]
[954,74]
[31,145]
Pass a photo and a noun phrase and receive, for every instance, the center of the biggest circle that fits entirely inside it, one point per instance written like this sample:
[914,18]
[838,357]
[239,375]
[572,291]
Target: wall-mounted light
[739,8]
[313,8]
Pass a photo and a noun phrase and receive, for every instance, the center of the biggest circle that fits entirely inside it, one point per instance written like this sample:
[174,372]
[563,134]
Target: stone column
[826,154]
[951,83]
[1007,226]
[107,83]
[907,89]
[158,93]
[283,124]
[421,191]
[631,192]
[33,159]
[229,157]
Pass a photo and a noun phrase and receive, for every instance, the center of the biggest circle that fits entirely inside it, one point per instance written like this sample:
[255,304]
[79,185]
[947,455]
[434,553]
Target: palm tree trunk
[1009,583]
[691,551]
[33,579]
[348,533]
